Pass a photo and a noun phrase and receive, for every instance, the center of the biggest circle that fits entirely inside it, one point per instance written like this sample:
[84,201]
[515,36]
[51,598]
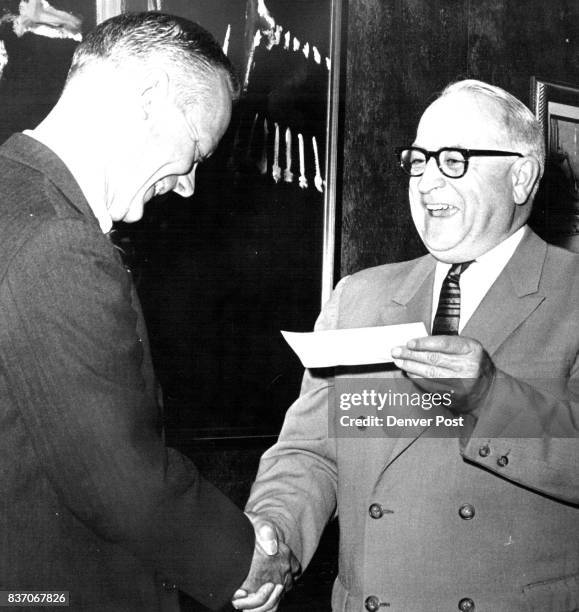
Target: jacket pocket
[557,595]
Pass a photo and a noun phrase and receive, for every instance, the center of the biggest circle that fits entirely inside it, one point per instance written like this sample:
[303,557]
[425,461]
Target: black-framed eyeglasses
[451,161]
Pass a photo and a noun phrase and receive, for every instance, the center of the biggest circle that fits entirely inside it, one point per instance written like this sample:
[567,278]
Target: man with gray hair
[96,512]
[482,515]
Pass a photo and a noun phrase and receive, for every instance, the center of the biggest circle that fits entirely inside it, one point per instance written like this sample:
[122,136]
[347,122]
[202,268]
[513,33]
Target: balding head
[148,98]
[522,128]
[476,162]
[184,50]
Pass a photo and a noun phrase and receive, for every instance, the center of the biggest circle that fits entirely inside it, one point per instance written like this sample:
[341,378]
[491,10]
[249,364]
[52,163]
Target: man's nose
[185,186]
[432,177]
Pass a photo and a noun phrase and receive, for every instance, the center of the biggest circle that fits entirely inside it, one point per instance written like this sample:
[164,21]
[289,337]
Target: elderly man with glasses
[485,518]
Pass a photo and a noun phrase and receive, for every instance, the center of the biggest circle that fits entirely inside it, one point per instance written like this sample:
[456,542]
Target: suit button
[372,603]
[484,451]
[466,512]
[503,461]
[169,586]
[376,511]
[466,604]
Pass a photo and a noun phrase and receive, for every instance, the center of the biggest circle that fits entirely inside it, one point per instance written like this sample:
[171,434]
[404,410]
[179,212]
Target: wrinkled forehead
[462,119]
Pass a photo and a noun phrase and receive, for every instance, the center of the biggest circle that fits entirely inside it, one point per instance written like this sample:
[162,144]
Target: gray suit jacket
[405,538]
[92,501]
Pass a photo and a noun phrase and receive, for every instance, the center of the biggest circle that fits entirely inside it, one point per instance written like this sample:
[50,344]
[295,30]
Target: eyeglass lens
[451,162]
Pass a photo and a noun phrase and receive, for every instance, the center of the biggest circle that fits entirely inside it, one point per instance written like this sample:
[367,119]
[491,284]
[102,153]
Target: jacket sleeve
[72,362]
[297,477]
[528,432]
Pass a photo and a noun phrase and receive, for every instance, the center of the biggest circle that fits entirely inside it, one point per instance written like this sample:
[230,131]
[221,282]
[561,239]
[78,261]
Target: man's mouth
[441,210]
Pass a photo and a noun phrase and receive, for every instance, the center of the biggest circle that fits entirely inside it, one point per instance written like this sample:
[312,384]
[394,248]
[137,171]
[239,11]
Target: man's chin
[446,252]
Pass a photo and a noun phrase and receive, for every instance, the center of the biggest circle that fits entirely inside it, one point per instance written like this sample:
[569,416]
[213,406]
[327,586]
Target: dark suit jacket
[92,501]
[405,538]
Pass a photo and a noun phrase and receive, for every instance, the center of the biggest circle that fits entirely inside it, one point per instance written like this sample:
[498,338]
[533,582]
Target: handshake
[273,569]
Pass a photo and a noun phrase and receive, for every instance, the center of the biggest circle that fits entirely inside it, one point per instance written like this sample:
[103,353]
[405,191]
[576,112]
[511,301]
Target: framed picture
[556,105]
[254,250]
[37,40]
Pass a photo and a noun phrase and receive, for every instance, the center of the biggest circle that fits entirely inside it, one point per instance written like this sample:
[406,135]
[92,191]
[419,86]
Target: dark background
[221,274]
[399,52]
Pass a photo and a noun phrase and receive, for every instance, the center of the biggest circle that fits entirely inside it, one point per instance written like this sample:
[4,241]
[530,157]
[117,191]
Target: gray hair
[523,129]
[187,51]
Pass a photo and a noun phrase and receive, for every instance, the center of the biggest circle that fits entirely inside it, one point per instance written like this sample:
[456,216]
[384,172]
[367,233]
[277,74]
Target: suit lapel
[412,301]
[512,298]
[508,303]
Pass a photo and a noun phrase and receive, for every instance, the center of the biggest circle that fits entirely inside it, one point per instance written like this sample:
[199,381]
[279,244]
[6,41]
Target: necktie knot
[457,269]
[447,316]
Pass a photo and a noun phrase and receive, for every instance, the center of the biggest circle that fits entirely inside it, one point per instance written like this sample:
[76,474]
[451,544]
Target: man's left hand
[449,357]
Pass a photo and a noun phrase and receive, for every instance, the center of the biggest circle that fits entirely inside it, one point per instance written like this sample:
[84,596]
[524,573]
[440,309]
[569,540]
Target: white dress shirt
[478,278]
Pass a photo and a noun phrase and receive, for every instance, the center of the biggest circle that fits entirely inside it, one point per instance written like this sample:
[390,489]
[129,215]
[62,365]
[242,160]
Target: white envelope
[358,346]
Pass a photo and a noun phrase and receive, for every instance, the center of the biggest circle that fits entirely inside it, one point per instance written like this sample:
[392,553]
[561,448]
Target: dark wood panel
[509,41]
[399,53]
[543,43]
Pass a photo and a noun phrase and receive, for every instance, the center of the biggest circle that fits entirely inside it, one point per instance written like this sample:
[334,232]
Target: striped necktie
[448,312]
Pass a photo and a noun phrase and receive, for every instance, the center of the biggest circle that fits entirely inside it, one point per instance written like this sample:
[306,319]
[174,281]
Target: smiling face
[178,141]
[459,219]
[183,184]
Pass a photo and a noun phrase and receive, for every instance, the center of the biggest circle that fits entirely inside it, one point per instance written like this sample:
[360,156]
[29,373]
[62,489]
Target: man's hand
[273,568]
[449,357]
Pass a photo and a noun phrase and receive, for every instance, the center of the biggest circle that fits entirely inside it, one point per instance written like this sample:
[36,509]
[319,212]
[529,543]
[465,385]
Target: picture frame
[556,106]
[215,310]
[104,9]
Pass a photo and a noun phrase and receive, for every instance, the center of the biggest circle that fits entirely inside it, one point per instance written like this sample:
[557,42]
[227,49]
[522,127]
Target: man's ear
[154,92]
[524,174]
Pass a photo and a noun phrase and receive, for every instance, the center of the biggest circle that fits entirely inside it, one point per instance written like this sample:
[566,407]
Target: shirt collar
[500,254]
[478,278]
[98,207]
[496,258]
